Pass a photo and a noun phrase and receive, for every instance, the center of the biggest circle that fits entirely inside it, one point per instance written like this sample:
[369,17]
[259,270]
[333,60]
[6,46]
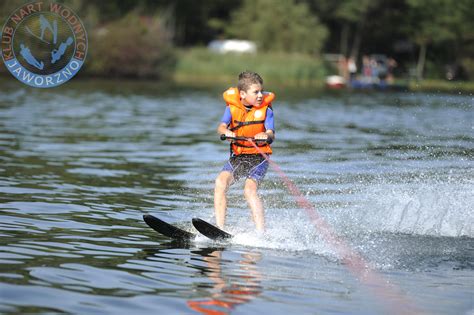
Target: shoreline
[222,82]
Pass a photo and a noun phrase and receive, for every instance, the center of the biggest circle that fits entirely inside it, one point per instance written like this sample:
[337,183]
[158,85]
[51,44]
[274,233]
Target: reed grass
[201,66]
[442,86]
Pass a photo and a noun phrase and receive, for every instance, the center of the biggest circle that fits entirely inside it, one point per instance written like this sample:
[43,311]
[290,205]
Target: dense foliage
[424,36]
[147,52]
[288,26]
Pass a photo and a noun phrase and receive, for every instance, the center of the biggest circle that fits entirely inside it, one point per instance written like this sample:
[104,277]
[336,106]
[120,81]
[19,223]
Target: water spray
[395,301]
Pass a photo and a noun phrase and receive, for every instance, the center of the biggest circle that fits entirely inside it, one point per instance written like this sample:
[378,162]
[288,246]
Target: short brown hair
[247,78]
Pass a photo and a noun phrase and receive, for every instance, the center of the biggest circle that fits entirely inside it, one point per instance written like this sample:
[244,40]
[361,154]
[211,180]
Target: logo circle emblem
[258,114]
[43,44]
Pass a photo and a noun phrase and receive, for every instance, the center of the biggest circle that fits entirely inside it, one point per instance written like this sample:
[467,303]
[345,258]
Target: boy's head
[250,87]
[247,78]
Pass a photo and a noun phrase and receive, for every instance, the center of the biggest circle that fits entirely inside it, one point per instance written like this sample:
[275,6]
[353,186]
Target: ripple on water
[78,170]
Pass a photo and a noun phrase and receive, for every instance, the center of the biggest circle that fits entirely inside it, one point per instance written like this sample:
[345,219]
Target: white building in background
[232,45]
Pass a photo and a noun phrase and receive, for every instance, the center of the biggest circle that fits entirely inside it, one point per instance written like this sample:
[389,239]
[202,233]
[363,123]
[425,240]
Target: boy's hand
[261,136]
[229,133]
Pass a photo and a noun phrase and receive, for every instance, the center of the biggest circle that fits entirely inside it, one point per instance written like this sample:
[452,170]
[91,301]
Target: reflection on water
[228,290]
[81,164]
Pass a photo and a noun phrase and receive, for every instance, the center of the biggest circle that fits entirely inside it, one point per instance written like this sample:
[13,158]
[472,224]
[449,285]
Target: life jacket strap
[249,146]
[245,123]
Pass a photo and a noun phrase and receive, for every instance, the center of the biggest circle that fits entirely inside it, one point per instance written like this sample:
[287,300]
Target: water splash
[434,207]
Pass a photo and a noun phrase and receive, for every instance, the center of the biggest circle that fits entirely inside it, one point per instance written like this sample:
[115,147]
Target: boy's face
[253,96]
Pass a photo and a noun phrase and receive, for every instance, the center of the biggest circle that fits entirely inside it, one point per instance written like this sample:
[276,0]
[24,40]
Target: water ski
[167,229]
[209,230]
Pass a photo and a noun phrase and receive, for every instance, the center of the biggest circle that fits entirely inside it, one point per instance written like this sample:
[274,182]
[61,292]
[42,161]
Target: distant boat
[337,82]
[381,85]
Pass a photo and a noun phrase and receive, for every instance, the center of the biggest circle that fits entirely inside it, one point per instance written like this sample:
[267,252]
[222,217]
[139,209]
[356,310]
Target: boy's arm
[222,130]
[269,126]
[265,135]
[271,134]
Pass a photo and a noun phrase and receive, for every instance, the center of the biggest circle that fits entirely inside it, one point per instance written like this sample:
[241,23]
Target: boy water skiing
[248,114]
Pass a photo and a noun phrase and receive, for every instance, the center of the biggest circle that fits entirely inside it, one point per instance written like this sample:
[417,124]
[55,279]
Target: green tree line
[140,38]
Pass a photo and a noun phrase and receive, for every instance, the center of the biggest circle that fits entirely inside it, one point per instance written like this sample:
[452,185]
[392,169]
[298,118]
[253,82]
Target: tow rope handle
[269,140]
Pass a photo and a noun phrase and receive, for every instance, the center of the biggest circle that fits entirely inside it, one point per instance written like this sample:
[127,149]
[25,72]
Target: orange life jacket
[247,123]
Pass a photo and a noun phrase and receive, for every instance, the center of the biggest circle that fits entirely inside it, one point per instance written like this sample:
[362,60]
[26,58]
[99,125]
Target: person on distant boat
[352,68]
[391,65]
[366,70]
[248,114]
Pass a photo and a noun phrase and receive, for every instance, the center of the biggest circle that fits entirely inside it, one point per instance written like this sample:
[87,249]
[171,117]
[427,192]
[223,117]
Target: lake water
[390,174]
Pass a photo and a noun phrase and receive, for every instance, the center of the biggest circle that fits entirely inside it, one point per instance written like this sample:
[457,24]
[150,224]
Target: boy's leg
[223,181]
[255,203]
